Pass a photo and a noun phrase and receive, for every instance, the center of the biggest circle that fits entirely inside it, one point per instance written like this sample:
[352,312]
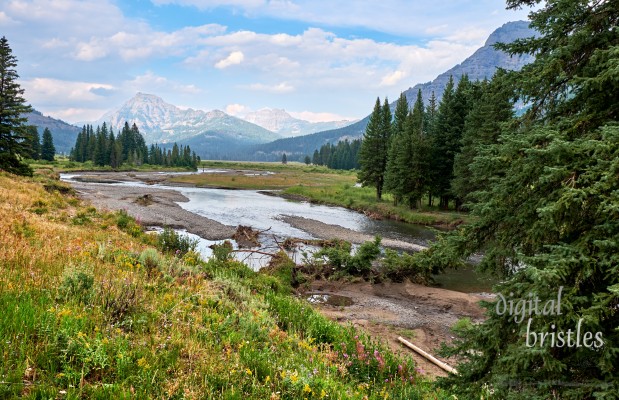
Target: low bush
[171,242]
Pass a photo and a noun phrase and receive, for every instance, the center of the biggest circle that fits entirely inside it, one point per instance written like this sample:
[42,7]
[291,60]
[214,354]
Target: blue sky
[319,60]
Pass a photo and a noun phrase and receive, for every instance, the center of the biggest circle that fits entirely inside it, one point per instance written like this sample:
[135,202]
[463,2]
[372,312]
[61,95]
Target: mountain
[279,121]
[482,64]
[63,133]
[161,122]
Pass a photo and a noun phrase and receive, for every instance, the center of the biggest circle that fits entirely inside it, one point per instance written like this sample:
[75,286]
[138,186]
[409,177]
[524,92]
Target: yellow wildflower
[307,389]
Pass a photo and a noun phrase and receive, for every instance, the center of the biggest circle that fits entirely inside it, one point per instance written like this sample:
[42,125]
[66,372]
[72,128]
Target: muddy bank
[152,207]
[327,231]
[422,315]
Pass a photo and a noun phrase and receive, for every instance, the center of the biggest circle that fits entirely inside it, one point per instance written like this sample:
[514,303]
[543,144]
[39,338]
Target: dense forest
[425,151]
[102,147]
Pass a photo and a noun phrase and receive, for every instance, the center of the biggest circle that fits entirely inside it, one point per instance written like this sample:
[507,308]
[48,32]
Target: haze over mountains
[267,133]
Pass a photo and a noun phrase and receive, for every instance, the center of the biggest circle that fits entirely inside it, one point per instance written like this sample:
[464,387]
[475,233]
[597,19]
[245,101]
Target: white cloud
[152,83]
[6,20]
[400,17]
[237,110]
[234,58]
[79,114]
[318,116]
[48,90]
[283,87]
[393,78]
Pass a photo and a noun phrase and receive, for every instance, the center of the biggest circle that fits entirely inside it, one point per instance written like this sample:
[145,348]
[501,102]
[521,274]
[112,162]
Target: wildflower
[283,374]
[323,394]
[267,379]
[294,377]
[307,389]
[142,363]
[248,371]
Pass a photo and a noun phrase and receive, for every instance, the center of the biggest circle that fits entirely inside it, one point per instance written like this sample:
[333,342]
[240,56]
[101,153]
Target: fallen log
[428,356]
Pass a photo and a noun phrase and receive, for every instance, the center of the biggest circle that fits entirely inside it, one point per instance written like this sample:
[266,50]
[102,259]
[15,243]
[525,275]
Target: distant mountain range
[162,122]
[267,133]
[482,64]
[279,121]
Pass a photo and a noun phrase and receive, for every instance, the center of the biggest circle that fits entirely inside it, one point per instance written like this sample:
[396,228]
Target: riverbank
[149,205]
[318,185]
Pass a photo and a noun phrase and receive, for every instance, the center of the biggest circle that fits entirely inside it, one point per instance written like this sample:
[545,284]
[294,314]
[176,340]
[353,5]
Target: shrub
[150,259]
[128,224]
[169,241]
[76,284]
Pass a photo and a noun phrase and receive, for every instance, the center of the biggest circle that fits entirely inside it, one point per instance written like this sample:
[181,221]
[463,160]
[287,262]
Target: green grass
[92,310]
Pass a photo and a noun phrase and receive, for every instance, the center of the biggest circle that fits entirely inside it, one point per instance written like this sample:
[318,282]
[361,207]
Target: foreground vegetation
[318,184]
[99,309]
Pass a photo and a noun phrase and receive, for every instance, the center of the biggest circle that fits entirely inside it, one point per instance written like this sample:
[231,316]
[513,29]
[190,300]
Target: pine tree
[491,109]
[392,173]
[284,159]
[12,108]
[549,218]
[48,151]
[307,160]
[32,143]
[430,128]
[407,176]
[373,152]
[447,135]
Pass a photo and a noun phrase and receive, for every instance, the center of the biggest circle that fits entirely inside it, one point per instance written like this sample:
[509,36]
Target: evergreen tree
[373,153]
[316,158]
[307,160]
[284,159]
[447,135]
[407,178]
[12,107]
[32,143]
[430,128]
[549,218]
[48,151]
[490,110]
[392,173]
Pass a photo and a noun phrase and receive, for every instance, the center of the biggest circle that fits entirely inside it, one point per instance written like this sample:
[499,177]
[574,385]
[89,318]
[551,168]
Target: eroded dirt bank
[422,315]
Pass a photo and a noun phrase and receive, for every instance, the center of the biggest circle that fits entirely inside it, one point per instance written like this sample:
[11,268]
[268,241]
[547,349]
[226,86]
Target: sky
[319,60]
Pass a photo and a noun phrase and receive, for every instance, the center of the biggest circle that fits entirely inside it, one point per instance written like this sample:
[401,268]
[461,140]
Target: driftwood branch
[428,356]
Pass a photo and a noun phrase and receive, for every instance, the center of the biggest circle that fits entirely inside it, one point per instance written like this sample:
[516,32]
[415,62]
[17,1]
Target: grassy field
[321,185]
[92,308]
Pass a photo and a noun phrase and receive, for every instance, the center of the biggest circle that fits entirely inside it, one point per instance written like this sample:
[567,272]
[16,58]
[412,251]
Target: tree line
[425,150]
[102,147]
[343,155]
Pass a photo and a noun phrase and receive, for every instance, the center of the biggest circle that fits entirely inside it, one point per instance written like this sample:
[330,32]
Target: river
[263,212]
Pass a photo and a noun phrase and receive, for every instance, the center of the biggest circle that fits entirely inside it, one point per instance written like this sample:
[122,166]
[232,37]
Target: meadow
[93,307]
